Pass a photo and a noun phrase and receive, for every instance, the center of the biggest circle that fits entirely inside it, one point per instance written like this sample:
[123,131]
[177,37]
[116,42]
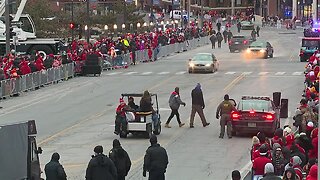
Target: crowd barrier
[34,80]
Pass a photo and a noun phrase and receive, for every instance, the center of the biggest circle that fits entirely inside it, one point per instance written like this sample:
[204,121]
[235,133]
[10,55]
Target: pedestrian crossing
[150,73]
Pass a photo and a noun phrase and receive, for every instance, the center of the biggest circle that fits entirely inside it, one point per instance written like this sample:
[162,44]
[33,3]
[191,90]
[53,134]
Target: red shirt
[259,163]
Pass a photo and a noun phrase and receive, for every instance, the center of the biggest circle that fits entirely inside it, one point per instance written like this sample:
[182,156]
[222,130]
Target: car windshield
[257,44]
[202,57]
[257,105]
[310,44]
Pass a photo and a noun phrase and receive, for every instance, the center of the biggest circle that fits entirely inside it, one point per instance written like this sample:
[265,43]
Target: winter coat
[259,163]
[175,101]
[313,153]
[213,38]
[55,171]
[270,176]
[197,97]
[313,174]
[155,159]
[121,160]
[101,167]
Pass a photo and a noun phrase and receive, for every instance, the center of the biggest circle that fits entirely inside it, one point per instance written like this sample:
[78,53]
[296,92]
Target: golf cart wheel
[123,134]
[157,131]
[271,56]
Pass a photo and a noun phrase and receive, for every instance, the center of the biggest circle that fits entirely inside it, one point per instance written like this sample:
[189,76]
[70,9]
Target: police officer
[155,160]
[224,110]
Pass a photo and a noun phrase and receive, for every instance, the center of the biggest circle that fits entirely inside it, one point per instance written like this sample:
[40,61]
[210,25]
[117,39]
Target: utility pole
[151,11]
[8,24]
[189,11]
[201,13]
[72,30]
[88,21]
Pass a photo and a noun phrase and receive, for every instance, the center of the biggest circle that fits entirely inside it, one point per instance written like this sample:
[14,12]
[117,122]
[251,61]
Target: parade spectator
[259,163]
[155,160]
[54,170]
[121,159]
[197,106]
[269,173]
[174,103]
[294,163]
[313,174]
[278,160]
[290,174]
[100,166]
[236,175]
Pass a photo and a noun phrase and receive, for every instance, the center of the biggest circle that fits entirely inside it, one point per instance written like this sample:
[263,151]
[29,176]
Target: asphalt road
[75,116]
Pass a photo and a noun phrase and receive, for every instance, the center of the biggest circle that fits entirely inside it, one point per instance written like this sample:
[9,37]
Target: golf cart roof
[136,94]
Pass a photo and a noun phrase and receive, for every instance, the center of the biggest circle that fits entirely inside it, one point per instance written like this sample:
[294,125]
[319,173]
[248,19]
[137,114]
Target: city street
[74,116]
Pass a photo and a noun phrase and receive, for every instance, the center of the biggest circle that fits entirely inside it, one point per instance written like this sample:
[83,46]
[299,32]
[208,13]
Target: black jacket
[270,176]
[197,97]
[155,159]
[121,160]
[54,171]
[101,167]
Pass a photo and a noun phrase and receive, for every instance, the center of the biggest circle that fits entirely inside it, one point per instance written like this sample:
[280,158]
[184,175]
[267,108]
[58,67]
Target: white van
[176,14]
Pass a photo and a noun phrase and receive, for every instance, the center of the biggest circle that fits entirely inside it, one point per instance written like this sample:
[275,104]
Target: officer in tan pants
[224,110]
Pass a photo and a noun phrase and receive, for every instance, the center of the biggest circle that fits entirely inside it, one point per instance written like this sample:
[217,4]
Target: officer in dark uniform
[224,110]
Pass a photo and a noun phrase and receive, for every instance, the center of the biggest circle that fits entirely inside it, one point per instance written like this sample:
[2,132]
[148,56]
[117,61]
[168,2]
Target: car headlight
[248,50]
[208,65]
[191,64]
[262,51]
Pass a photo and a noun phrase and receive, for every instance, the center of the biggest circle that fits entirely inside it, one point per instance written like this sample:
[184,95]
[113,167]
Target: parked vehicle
[309,45]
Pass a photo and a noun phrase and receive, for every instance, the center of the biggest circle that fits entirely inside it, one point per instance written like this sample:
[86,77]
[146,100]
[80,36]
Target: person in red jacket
[120,115]
[39,63]
[260,162]
[255,148]
[313,153]
[313,174]
[24,67]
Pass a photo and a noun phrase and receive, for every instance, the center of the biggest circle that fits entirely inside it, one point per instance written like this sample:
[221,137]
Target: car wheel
[190,71]
[231,50]
[157,131]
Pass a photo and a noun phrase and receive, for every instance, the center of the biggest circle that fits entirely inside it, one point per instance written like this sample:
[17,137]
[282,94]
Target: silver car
[203,62]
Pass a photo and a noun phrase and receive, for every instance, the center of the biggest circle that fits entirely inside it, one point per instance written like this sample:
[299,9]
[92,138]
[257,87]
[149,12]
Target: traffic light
[72,25]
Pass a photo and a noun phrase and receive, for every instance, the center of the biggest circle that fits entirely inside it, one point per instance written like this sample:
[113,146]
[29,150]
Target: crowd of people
[13,66]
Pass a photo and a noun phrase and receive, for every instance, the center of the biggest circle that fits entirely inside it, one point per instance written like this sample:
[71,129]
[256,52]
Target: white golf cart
[137,122]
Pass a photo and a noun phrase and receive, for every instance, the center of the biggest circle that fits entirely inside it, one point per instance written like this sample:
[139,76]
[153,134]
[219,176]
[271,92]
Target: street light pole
[72,30]
[201,13]
[7,18]
[88,21]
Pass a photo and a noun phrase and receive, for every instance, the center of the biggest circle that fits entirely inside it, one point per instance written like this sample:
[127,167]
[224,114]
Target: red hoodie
[313,174]
[313,153]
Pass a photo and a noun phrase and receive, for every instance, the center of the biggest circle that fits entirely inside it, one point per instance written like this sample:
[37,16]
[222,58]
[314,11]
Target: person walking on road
[239,26]
[229,35]
[258,30]
[225,35]
[100,166]
[219,38]
[197,106]
[218,26]
[121,159]
[155,160]
[224,111]
[174,103]
[213,40]
[54,170]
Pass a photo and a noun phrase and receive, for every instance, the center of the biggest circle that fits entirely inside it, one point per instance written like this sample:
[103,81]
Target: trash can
[276,98]
[284,108]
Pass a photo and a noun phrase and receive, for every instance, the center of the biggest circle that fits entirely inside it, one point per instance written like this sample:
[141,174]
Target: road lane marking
[163,73]
[263,73]
[113,73]
[247,73]
[130,73]
[230,73]
[297,73]
[181,72]
[146,73]
[280,73]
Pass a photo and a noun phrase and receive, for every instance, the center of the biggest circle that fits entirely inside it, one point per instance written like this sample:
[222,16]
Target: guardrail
[34,80]
[10,87]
